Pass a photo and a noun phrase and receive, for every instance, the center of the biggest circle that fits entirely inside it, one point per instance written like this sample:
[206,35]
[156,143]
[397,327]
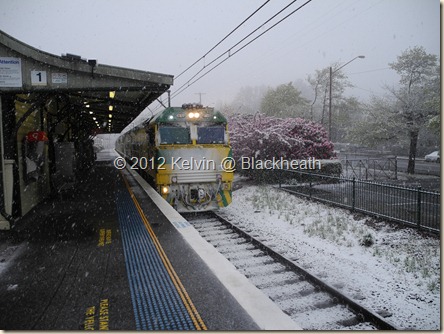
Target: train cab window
[211,134]
[174,135]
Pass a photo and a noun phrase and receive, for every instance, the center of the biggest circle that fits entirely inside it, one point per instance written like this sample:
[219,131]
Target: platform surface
[63,266]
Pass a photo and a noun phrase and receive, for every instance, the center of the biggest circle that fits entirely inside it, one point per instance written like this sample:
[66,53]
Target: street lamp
[329,103]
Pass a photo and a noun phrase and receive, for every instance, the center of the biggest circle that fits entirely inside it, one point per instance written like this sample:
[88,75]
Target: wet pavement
[67,266]
[63,266]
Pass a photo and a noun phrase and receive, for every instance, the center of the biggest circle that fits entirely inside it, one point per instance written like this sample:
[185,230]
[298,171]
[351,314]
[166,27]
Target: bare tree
[320,83]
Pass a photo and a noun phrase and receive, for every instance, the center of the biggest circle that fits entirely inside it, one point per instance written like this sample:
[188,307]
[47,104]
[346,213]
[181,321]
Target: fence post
[366,169]
[418,210]
[396,167]
[353,193]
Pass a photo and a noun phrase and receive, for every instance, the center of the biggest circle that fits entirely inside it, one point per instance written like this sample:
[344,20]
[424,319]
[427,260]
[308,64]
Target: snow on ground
[380,265]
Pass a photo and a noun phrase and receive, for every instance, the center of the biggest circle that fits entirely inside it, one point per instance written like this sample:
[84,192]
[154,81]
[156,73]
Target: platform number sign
[38,78]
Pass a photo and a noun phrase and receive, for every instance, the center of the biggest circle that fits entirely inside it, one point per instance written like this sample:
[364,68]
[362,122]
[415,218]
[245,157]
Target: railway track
[312,303]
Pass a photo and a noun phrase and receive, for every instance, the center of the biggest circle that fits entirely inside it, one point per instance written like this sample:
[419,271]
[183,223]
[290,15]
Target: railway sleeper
[281,281]
[206,223]
[326,304]
[254,253]
[323,319]
[230,241]
[241,257]
[322,305]
[272,267]
[204,229]
[219,241]
[202,221]
[254,263]
[316,301]
[227,243]
[237,243]
[227,249]
[353,321]
[222,232]
[264,270]
[287,292]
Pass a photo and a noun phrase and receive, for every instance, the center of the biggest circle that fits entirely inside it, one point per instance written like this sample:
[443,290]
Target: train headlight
[165,190]
[174,179]
[195,115]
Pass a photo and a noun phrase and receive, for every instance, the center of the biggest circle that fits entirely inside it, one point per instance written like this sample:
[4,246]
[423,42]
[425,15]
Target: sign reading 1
[38,78]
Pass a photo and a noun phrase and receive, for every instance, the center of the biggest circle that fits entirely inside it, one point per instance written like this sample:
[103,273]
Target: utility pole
[330,97]
[200,97]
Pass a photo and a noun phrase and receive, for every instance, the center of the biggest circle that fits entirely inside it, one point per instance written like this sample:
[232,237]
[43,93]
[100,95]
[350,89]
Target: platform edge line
[194,314]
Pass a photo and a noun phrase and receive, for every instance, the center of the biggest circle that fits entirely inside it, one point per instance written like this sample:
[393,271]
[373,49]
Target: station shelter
[51,108]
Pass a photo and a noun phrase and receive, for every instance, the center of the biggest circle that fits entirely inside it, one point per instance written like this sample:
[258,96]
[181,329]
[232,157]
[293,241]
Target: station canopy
[109,94]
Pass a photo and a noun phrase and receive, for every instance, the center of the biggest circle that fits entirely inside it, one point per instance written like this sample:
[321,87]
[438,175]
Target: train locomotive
[184,153]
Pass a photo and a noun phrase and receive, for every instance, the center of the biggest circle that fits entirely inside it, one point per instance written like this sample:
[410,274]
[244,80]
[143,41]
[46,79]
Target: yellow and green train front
[192,159]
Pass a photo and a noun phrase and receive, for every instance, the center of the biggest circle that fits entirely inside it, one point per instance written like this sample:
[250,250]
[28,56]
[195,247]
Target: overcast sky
[167,36]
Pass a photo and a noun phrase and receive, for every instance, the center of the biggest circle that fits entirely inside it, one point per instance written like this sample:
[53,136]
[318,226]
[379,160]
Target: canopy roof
[85,83]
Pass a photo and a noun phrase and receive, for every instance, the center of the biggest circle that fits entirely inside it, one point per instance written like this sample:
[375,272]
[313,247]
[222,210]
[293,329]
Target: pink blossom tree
[265,137]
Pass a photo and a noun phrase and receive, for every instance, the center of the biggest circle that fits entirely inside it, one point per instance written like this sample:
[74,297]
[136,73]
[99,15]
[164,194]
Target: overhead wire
[239,42]
[189,83]
[223,39]
[305,31]
[216,45]
[374,70]
[230,54]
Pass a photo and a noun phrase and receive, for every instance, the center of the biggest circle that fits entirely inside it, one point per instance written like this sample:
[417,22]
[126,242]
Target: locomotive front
[191,158]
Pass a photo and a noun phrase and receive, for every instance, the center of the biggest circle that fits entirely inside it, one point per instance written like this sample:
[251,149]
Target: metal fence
[370,168]
[410,206]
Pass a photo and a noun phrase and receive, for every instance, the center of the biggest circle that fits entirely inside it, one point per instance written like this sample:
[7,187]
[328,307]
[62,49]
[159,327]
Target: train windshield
[174,135]
[211,134]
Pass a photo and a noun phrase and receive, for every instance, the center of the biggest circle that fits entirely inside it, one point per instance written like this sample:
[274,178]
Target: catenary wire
[239,42]
[188,84]
[223,39]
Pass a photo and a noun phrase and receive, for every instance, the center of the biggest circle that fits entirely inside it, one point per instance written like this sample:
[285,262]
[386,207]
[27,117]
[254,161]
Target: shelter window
[174,135]
[211,134]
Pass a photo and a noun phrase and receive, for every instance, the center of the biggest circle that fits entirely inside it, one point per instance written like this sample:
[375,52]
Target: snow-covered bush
[265,137]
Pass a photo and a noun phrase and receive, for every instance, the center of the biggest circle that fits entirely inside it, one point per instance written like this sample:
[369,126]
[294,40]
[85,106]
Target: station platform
[107,254]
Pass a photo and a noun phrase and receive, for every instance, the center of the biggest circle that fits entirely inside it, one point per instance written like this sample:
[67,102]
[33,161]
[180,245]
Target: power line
[374,70]
[243,39]
[188,83]
[223,39]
